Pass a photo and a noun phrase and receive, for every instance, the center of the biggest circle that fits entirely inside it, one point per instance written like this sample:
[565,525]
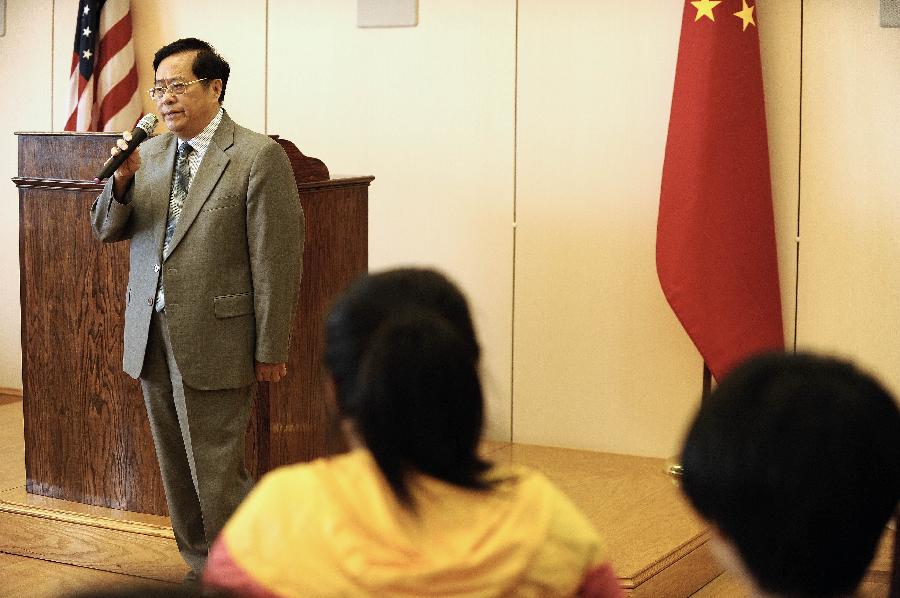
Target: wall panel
[849,273]
[780,48]
[25,69]
[428,110]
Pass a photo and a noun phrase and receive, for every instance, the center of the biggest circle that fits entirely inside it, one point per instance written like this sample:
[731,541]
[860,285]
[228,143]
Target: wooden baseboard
[122,544]
[681,574]
[880,568]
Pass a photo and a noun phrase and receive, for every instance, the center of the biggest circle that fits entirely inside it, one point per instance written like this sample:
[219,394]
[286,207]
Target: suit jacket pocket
[221,203]
[229,306]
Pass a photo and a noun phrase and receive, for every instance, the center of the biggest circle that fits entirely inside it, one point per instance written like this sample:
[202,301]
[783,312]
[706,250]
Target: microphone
[143,129]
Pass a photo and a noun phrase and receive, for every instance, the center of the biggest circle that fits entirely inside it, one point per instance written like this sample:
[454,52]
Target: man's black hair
[208,63]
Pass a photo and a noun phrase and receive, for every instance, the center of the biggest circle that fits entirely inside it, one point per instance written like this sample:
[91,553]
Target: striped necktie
[181,182]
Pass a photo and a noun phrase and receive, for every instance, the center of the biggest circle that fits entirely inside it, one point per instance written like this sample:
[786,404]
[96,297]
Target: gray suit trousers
[199,439]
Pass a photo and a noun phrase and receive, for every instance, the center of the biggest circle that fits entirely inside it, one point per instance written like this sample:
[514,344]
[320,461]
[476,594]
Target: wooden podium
[86,433]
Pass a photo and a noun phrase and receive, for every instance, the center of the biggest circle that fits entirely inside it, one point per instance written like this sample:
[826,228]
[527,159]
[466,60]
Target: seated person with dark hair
[795,461]
[412,510]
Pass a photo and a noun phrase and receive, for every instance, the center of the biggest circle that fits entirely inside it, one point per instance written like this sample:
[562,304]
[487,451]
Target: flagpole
[673,467]
[707,384]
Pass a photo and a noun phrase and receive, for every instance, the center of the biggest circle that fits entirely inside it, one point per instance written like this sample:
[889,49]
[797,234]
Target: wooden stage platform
[658,546]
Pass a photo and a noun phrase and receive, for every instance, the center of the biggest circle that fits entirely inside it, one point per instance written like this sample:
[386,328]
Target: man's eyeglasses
[176,87]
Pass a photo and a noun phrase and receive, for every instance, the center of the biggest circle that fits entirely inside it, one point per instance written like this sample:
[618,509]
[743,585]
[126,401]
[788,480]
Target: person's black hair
[401,348]
[208,63]
[796,459]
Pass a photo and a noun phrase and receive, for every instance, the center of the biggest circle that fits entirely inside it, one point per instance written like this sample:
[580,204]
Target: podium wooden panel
[86,433]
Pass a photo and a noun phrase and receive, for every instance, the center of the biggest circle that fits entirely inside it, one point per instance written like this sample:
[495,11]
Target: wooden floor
[23,576]
[728,586]
[630,500]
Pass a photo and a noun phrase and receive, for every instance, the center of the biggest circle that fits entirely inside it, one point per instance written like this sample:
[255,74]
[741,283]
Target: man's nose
[168,97]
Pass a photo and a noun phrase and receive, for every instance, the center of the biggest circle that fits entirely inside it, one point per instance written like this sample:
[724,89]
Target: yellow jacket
[334,528]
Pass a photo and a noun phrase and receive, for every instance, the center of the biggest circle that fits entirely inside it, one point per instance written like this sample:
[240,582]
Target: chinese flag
[715,243]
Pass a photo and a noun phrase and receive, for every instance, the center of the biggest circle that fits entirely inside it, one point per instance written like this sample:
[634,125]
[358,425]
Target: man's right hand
[125,172]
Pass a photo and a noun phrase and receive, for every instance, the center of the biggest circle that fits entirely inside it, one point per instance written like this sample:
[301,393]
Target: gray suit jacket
[233,272]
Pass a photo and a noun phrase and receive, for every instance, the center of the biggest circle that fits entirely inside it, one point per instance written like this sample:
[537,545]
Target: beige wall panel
[600,361]
[428,111]
[25,69]
[235,27]
[850,213]
[780,50]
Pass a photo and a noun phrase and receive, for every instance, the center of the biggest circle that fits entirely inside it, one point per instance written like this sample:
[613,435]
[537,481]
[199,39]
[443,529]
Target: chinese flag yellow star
[705,8]
[746,14]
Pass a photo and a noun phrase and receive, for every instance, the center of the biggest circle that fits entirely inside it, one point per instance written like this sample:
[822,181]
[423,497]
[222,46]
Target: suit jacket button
[150,301]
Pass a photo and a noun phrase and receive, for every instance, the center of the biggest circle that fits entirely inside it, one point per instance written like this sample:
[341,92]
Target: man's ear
[217,87]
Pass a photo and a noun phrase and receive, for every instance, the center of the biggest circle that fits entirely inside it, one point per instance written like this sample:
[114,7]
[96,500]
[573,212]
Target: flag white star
[86,32]
[87,9]
[87,54]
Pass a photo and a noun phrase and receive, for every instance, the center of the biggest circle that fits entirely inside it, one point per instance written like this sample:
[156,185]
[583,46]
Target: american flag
[103,83]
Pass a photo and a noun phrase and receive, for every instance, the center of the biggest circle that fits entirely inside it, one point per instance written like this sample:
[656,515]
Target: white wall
[429,111]
[600,360]
[25,69]
[780,34]
[552,115]
[850,193]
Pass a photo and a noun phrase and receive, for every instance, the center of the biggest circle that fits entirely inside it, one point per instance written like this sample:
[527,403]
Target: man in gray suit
[217,232]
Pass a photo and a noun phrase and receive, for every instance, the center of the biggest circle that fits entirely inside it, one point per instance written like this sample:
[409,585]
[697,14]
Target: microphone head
[148,123]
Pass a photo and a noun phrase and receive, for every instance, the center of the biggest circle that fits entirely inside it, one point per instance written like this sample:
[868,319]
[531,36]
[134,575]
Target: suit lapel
[211,168]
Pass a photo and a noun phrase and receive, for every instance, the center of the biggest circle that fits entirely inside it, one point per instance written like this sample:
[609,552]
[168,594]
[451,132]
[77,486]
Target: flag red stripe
[73,118]
[113,41]
[73,115]
[72,122]
[117,97]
